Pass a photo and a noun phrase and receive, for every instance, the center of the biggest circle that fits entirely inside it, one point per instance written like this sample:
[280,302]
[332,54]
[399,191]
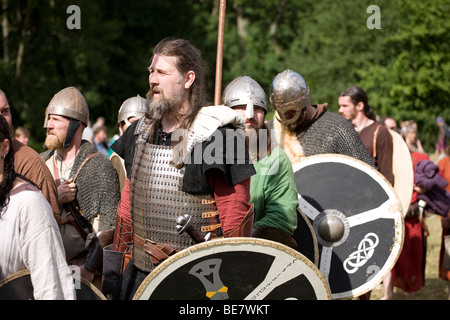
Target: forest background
[399,54]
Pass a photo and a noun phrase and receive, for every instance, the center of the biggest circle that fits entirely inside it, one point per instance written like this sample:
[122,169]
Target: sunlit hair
[188,58]
[9,174]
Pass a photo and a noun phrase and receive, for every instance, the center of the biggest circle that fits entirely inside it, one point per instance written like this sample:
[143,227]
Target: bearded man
[96,188]
[167,155]
[303,129]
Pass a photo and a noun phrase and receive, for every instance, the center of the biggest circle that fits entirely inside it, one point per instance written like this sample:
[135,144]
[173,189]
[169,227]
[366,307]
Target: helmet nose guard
[245,91]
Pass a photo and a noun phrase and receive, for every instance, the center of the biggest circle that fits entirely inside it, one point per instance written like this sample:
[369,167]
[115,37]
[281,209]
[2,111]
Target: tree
[403,66]
[414,83]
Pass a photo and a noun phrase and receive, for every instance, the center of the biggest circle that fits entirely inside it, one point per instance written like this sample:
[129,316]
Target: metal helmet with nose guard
[245,91]
[289,92]
[132,107]
[69,102]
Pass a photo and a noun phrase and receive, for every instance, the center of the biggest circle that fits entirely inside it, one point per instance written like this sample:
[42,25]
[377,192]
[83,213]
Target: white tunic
[30,239]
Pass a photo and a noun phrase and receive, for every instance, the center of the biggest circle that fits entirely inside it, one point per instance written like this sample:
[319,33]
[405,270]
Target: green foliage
[414,81]
[404,66]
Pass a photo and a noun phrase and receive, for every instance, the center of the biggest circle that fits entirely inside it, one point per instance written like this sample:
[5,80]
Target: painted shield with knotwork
[235,269]
[357,218]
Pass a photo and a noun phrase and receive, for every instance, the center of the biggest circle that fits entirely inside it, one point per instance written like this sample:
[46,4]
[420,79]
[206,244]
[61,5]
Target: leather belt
[158,253]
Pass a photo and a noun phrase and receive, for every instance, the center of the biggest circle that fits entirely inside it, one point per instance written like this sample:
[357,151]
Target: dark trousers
[132,278]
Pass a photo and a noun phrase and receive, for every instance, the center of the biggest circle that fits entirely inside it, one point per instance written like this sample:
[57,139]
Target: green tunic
[274,193]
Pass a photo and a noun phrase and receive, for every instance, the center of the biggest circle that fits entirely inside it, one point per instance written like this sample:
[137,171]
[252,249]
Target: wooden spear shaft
[219,59]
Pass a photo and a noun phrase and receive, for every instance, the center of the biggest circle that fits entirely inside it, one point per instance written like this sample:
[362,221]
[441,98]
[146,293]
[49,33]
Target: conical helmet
[288,91]
[68,102]
[244,91]
[132,107]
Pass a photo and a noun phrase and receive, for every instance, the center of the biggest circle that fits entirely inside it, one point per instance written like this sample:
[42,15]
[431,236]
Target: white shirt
[30,239]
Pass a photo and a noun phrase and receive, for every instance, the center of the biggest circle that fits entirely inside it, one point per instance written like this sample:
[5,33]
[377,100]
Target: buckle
[148,241]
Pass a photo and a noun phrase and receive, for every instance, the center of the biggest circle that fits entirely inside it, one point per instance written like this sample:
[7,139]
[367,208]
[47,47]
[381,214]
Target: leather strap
[71,219]
[89,157]
[375,134]
[56,173]
[157,253]
[72,207]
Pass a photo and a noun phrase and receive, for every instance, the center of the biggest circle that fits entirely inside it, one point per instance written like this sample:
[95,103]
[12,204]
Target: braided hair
[9,174]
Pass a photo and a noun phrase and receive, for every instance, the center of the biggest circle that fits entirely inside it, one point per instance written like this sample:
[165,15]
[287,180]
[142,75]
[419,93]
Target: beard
[157,108]
[53,141]
[292,127]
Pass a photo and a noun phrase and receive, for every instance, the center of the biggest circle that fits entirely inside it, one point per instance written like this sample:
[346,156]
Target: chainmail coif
[98,190]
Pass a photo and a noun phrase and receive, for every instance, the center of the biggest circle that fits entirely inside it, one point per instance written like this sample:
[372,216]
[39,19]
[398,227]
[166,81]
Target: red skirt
[408,273]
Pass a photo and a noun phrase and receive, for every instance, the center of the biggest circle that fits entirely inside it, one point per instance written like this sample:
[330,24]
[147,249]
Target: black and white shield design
[18,286]
[306,238]
[235,269]
[357,218]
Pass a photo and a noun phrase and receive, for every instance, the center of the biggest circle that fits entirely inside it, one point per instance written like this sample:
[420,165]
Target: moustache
[153,90]
[250,121]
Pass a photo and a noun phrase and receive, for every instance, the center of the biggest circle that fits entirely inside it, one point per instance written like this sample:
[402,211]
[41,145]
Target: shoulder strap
[89,157]
[375,141]
[55,170]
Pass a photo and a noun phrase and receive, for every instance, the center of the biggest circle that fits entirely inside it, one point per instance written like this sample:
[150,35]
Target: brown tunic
[29,163]
[382,152]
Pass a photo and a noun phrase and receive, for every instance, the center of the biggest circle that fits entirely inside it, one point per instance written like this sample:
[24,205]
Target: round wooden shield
[402,167]
[87,291]
[306,238]
[235,269]
[18,286]
[357,218]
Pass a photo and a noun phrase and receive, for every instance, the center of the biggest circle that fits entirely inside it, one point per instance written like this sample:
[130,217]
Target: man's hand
[85,273]
[419,190]
[67,191]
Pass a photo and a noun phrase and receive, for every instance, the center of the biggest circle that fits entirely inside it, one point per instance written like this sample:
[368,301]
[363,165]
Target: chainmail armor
[331,133]
[98,191]
[156,199]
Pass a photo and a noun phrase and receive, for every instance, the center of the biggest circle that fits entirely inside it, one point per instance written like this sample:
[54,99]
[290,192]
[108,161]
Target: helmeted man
[131,110]
[302,129]
[96,188]
[180,161]
[272,189]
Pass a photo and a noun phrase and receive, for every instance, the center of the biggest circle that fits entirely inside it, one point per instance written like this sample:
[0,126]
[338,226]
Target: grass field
[435,288]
